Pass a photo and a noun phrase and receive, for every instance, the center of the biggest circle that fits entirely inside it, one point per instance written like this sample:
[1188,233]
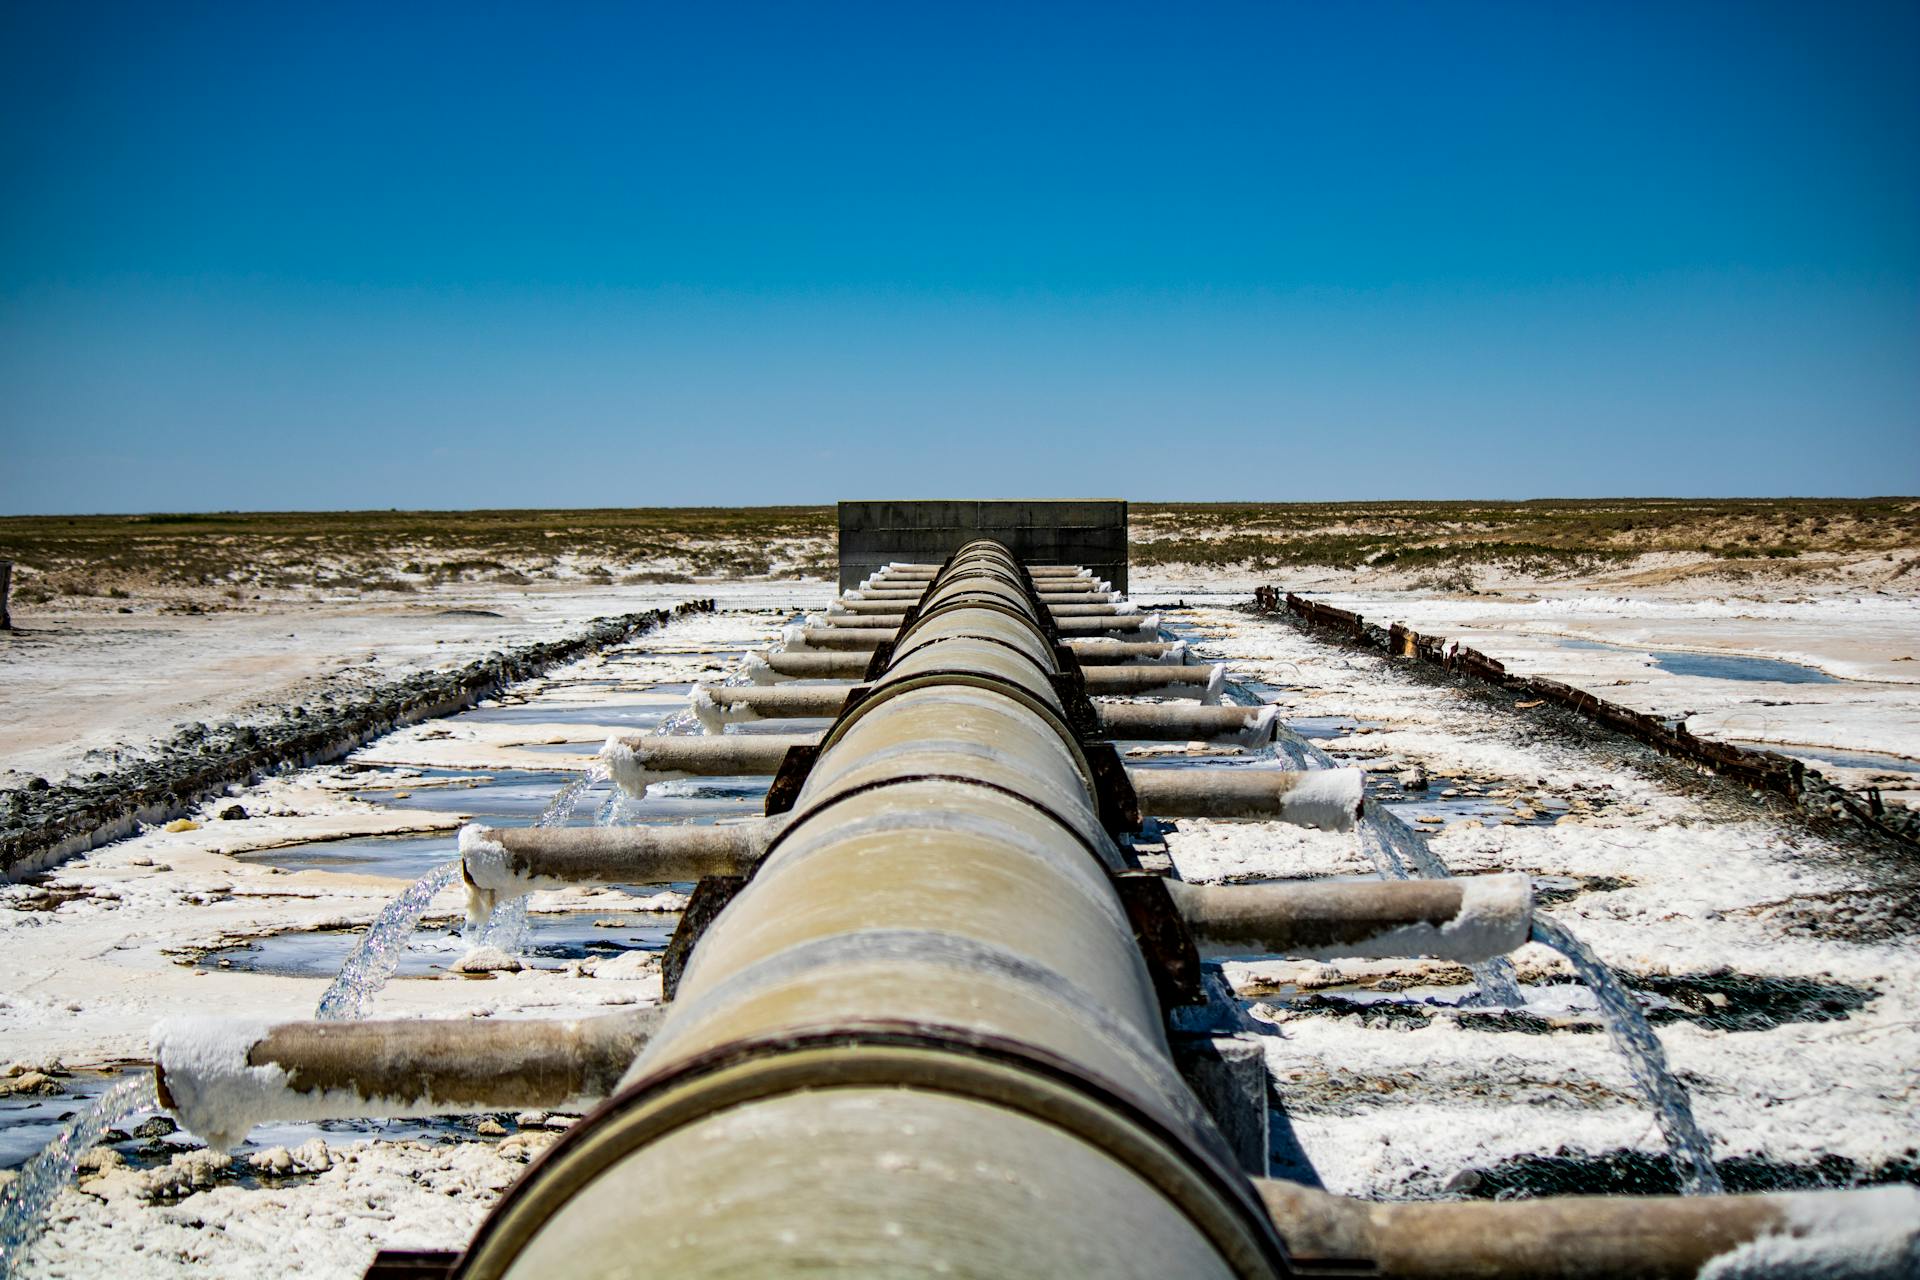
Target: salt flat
[1388,1087]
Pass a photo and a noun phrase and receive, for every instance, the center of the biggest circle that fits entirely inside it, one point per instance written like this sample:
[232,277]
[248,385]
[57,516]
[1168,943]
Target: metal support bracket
[1172,957]
[710,897]
[791,776]
[1119,807]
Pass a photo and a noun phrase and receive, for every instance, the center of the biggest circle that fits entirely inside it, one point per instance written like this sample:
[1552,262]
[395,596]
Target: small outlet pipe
[1104,653]
[1190,680]
[1180,722]
[1066,594]
[1077,607]
[781,665]
[1467,919]
[796,702]
[509,862]
[928,572]
[638,761]
[223,1076]
[1576,1237]
[1330,799]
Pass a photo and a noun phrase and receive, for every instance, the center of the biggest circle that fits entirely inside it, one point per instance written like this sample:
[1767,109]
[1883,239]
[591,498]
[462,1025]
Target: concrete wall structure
[1090,532]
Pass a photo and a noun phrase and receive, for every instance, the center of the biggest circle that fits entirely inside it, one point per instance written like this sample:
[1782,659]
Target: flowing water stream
[1627,1028]
[1398,851]
[506,927]
[24,1201]
[374,960]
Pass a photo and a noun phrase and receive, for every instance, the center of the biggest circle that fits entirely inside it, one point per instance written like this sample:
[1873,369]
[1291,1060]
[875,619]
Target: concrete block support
[1228,1073]
[876,534]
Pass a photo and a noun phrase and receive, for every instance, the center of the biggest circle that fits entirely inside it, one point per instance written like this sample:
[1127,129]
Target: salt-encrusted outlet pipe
[927,572]
[1089,653]
[1330,799]
[638,761]
[1467,919]
[1180,722]
[222,1076]
[1865,1233]
[510,862]
[876,599]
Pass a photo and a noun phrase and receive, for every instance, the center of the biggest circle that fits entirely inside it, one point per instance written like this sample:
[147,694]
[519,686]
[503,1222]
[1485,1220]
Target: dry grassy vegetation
[241,554]
[1539,539]
[211,558]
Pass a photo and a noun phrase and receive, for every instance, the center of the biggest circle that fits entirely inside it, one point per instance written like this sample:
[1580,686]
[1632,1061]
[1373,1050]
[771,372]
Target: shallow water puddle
[635,715]
[1838,759]
[1713,666]
[28,1124]
[552,941]
[508,798]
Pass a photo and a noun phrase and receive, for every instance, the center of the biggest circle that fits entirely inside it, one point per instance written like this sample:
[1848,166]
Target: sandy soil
[87,679]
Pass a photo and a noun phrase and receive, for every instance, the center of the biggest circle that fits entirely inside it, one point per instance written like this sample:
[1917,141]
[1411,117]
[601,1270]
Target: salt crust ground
[1702,894]
[1380,1111]
[88,979]
[1869,638]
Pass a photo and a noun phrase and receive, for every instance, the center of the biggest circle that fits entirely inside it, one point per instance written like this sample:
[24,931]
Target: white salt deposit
[624,767]
[1325,798]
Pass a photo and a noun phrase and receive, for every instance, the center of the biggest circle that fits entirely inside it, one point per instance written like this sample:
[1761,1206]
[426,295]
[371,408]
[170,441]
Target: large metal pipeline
[922,1037]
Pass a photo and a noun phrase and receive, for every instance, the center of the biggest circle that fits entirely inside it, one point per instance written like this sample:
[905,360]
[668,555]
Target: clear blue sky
[332,255]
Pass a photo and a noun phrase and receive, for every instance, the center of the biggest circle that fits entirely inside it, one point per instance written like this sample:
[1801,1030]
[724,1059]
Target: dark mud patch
[1723,1002]
[1636,1173]
[1551,891]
